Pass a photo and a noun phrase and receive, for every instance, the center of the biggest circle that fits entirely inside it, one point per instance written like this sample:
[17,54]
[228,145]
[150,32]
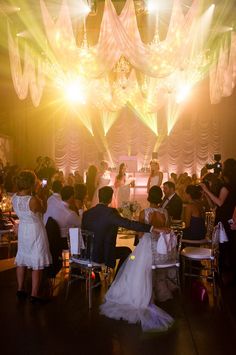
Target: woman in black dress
[225,204]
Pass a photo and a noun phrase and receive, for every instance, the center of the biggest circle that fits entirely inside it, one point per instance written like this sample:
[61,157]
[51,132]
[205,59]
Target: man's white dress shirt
[63,215]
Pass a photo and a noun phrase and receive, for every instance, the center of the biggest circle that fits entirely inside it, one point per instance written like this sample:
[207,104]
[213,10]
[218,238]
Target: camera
[216,166]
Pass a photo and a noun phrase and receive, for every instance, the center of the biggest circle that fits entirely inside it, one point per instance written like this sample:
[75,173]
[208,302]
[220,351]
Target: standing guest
[39,165]
[194,214]
[70,179]
[33,249]
[195,180]
[156,176]
[78,178]
[225,204]
[214,183]
[103,178]
[90,182]
[121,187]
[172,202]
[61,177]
[173,178]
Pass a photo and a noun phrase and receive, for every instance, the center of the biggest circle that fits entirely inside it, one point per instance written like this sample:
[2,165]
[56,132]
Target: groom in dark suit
[104,221]
[172,202]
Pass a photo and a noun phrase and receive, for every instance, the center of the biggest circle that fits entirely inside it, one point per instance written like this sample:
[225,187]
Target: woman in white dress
[130,295]
[33,248]
[102,179]
[121,187]
[156,176]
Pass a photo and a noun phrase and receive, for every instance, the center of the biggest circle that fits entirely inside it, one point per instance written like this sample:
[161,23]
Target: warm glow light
[85,10]
[152,5]
[183,93]
[74,92]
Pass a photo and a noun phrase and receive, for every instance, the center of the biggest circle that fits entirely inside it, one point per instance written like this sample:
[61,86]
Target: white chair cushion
[164,266]
[197,253]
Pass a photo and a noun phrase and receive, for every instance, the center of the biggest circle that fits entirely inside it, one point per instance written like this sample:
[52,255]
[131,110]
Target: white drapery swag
[223,73]
[163,66]
[119,35]
[29,79]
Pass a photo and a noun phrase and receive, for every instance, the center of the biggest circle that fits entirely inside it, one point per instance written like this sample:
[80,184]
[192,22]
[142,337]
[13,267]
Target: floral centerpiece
[129,209]
[5,203]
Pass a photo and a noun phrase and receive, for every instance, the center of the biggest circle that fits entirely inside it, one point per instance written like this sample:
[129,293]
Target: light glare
[152,6]
[74,92]
[183,94]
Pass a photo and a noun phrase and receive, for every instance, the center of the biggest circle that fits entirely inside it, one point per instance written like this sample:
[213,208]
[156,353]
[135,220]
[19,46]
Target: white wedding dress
[104,180]
[130,295]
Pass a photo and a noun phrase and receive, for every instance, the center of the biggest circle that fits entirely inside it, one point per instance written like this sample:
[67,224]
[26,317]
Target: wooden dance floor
[67,327]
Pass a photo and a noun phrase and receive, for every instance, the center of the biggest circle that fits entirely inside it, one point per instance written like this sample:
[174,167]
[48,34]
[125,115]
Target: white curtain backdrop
[190,145]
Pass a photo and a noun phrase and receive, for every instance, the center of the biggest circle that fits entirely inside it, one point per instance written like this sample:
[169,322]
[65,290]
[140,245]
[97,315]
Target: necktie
[165,203]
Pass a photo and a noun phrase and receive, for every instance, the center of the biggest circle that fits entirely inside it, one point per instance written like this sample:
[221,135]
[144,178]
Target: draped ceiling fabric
[136,112]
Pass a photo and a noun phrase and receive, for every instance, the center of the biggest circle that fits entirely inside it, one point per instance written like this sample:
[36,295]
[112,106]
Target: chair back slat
[81,243]
[164,248]
[209,222]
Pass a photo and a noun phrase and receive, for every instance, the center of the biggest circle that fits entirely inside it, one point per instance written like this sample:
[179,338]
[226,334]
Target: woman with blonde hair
[156,176]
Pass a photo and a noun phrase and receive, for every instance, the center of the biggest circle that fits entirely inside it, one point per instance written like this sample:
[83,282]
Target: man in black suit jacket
[104,221]
[172,202]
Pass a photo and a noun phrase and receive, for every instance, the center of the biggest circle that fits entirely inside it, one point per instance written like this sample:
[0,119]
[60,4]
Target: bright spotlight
[85,8]
[74,92]
[152,6]
[182,94]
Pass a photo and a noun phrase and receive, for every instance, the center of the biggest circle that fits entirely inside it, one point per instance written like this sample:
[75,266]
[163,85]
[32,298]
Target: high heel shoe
[38,300]
[21,294]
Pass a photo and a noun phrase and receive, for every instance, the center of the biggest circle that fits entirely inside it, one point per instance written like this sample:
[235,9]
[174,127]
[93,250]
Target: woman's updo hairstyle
[25,180]
[155,194]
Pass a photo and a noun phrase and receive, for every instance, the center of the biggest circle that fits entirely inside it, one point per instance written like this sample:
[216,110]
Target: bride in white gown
[130,295]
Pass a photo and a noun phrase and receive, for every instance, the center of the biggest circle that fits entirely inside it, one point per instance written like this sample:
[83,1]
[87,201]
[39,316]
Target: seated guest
[172,202]
[104,222]
[194,214]
[64,215]
[53,200]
